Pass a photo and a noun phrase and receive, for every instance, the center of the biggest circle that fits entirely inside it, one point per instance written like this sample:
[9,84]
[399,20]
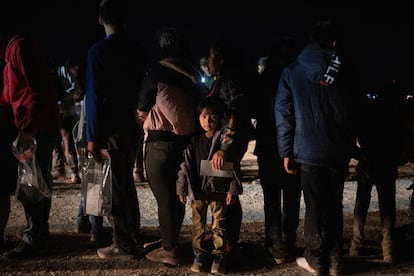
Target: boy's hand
[230,199]
[217,160]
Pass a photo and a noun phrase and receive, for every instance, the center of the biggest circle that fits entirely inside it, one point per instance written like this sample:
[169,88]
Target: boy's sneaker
[74,178]
[112,252]
[216,265]
[197,265]
[301,261]
[56,172]
[354,249]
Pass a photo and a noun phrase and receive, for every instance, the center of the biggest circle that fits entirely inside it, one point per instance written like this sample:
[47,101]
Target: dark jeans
[323,230]
[96,222]
[125,215]
[162,161]
[234,211]
[281,222]
[37,214]
[383,177]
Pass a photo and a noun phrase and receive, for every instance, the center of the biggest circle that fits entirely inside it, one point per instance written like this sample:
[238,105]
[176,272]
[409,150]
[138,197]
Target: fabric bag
[31,186]
[97,187]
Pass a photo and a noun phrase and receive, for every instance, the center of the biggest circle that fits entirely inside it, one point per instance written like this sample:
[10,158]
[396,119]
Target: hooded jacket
[313,111]
[189,181]
[169,97]
[29,96]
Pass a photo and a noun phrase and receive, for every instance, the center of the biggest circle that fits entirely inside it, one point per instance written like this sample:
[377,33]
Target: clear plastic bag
[96,186]
[31,186]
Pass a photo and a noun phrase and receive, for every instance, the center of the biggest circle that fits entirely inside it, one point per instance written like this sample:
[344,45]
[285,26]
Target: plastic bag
[31,186]
[96,186]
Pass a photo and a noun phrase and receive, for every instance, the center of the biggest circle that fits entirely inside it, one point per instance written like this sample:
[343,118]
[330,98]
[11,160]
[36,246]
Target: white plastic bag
[31,186]
[97,187]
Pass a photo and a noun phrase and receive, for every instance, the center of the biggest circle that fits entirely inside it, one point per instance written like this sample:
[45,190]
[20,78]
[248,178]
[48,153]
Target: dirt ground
[69,253]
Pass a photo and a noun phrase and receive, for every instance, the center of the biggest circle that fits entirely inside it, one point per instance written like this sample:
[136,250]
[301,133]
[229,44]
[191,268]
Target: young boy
[207,190]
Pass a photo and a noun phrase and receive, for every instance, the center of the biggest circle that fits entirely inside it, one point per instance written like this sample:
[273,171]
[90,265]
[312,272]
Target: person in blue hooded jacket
[316,133]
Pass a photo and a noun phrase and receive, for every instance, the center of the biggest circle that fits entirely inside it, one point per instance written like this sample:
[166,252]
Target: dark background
[380,43]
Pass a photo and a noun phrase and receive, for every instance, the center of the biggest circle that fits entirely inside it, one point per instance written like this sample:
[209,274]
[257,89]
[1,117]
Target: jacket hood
[182,67]
[320,65]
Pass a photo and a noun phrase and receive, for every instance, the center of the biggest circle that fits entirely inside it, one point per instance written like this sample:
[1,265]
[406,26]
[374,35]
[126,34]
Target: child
[205,190]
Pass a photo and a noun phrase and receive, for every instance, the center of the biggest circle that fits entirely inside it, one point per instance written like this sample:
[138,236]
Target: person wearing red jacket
[28,109]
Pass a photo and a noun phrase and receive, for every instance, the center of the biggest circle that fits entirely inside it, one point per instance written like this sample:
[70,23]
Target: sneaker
[149,246]
[74,178]
[161,255]
[197,265]
[216,265]
[278,255]
[56,172]
[388,258]
[112,252]
[21,251]
[354,249]
[301,261]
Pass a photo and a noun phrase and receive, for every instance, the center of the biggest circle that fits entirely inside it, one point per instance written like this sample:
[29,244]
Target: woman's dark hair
[172,43]
[216,106]
[229,53]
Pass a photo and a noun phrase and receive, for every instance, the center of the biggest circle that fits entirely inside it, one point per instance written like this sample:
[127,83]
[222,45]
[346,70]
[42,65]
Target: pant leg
[199,219]
[362,202]
[37,214]
[271,187]
[386,198]
[162,161]
[125,215]
[291,208]
[218,211]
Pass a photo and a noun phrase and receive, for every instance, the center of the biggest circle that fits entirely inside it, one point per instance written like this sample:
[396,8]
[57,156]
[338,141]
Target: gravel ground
[69,253]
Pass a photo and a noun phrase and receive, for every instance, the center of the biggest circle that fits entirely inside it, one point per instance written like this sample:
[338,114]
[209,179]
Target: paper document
[92,199]
[207,169]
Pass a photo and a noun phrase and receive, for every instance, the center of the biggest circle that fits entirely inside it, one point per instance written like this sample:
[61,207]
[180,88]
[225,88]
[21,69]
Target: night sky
[379,44]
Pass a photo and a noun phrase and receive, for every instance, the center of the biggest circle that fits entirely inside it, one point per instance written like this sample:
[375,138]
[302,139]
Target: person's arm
[285,124]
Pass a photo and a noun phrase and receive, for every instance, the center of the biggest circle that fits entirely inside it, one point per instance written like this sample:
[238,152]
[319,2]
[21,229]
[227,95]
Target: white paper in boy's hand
[207,169]
[92,199]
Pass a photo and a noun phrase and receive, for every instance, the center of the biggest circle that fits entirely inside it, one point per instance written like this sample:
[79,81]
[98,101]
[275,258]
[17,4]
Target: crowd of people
[169,117]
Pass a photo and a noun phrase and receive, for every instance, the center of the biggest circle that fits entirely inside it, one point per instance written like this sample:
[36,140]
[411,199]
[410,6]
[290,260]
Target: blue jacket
[314,109]
[115,70]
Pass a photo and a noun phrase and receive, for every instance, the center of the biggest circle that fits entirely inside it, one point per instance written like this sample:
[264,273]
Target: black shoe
[21,251]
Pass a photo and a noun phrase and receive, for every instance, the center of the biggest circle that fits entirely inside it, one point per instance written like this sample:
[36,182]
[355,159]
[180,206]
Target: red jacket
[29,96]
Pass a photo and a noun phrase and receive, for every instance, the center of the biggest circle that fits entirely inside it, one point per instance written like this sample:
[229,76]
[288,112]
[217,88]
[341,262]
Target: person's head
[72,65]
[172,43]
[224,56]
[261,64]
[113,13]
[204,66]
[326,33]
[211,114]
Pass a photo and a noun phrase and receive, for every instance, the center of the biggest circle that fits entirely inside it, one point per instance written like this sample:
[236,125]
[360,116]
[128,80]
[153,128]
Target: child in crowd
[207,190]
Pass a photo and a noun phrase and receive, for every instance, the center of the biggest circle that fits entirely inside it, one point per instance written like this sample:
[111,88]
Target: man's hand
[183,199]
[217,160]
[290,165]
[230,199]
[98,154]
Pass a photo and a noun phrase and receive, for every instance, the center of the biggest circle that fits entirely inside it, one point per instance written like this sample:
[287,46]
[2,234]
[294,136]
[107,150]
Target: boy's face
[208,121]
